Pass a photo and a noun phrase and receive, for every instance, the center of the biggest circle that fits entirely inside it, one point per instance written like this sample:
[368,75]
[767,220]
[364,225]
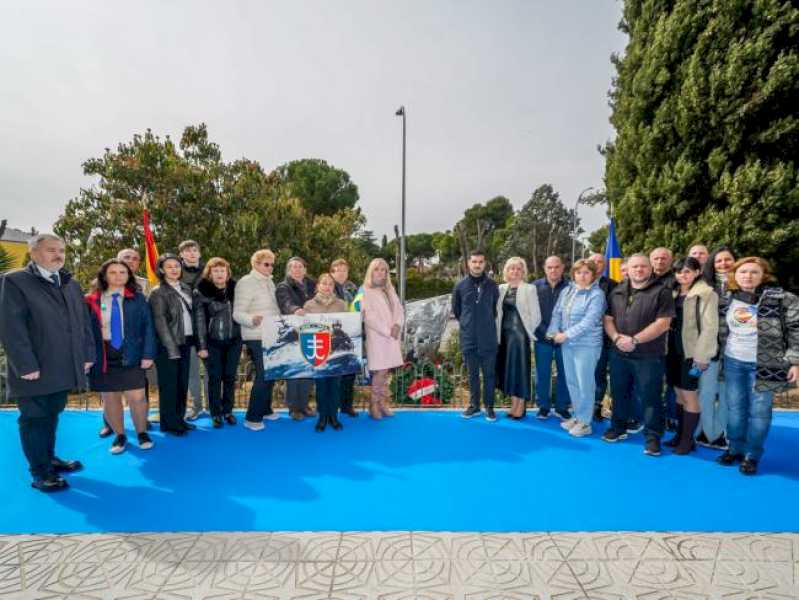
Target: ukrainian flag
[613,255]
[355,305]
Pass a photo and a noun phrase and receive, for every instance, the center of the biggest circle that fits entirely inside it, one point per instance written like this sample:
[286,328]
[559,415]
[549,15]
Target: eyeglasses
[268,264]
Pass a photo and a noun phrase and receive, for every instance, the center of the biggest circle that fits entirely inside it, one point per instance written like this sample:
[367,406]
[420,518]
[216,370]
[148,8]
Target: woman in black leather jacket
[173,318]
[213,312]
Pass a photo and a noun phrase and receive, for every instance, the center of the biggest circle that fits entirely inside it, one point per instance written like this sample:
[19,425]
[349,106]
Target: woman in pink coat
[383,317]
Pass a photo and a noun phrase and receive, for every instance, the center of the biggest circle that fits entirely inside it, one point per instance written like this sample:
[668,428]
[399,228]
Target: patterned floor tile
[601,546]
[540,546]
[734,578]
[692,546]
[361,547]
[221,547]
[305,547]
[10,580]
[757,547]
[503,547]
[673,576]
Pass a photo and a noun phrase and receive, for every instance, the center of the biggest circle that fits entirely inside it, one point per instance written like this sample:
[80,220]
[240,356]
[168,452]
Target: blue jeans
[579,365]
[544,353]
[633,379]
[749,416]
[713,402]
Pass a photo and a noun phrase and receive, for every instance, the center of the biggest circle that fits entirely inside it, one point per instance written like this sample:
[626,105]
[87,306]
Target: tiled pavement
[401,565]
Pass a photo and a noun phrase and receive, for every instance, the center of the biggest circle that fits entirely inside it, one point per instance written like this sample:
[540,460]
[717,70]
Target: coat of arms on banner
[316,343]
[312,346]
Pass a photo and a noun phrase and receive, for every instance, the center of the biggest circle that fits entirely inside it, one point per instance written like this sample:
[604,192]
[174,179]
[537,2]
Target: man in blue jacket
[549,288]
[474,304]
[45,330]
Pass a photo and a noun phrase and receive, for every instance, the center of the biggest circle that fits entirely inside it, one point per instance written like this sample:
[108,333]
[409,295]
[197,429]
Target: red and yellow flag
[150,250]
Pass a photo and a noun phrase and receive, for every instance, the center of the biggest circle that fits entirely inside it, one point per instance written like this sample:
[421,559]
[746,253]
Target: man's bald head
[553,267]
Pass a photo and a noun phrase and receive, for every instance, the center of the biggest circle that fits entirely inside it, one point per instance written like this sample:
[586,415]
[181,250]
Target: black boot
[321,423]
[675,441]
[688,426]
[335,423]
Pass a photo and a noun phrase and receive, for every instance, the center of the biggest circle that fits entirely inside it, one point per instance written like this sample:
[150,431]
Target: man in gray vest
[46,333]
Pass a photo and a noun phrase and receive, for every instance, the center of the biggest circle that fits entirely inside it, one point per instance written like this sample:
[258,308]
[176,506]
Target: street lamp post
[574,220]
[402,274]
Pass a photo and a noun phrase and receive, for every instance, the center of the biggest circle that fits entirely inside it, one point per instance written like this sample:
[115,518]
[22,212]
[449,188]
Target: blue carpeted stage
[418,471]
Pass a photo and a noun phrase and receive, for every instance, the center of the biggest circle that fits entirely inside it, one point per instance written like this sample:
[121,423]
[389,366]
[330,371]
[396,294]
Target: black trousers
[632,379]
[487,364]
[260,403]
[601,374]
[347,391]
[327,396]
[173,387]
[38,421]
[222,365]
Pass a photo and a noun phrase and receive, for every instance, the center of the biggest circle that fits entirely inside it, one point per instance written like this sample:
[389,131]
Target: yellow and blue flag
[613,257]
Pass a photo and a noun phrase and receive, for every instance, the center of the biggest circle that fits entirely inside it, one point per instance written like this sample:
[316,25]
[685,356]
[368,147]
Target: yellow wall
[17,250]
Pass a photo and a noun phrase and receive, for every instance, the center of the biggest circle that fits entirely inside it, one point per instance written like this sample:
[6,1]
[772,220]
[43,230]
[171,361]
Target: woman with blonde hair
[576,326]
[254,301]
[383,318]
[518,314]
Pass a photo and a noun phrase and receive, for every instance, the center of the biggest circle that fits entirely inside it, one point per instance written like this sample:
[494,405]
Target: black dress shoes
[335,423]
[320,424]
[66,466]
[349,411]
[728,459]
[189,426]
[748,466]
[230,419]
[217,422]
[50,483]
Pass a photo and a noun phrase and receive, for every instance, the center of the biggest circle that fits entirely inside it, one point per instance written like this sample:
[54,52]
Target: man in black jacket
[346,290]
[474,304]
[191,273]
[46,332]
[637,322]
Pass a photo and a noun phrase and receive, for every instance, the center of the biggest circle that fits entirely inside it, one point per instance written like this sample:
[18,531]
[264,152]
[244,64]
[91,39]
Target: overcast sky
[501,96]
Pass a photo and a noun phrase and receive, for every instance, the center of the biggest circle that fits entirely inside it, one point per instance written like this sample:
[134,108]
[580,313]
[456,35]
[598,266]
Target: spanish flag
[613,255]
[150,250]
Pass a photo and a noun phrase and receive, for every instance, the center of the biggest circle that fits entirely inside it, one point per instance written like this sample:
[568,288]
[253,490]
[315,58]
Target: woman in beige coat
[518,314]
[693,342]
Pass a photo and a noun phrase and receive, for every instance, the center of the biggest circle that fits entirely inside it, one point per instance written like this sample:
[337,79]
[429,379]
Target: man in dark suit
[46,333]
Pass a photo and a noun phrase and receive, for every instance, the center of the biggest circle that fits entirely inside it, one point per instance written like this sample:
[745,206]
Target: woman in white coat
[518,315]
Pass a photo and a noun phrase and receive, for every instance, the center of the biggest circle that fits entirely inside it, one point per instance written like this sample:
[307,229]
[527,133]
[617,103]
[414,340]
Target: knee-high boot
[687,443]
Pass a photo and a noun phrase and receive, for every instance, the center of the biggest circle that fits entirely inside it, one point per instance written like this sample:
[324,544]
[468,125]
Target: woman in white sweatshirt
[255,301]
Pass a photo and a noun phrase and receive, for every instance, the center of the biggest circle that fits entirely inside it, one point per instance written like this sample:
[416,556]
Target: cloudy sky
[501,96]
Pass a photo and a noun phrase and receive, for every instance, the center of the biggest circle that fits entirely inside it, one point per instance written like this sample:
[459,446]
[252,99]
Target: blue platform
[417,471]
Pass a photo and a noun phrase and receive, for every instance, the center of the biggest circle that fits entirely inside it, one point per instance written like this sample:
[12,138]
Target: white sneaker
[273,416]
[580,430]
[569,423]
[253,425]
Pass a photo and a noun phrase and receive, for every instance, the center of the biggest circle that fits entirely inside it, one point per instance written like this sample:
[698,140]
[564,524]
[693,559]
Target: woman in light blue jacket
[577,326]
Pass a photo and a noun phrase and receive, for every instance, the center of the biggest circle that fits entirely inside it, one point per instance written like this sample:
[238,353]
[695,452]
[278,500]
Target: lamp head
[400,111]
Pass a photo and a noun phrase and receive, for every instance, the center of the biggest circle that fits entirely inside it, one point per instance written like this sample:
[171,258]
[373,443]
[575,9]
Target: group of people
[123,334]
[704,342]
[701,344]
